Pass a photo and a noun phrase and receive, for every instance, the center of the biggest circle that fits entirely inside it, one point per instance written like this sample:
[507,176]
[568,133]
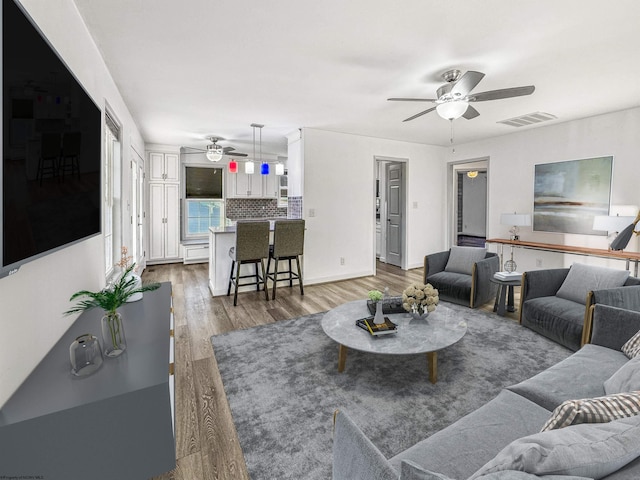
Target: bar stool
[288,244]
[49,156]
[69,162]
[252,246]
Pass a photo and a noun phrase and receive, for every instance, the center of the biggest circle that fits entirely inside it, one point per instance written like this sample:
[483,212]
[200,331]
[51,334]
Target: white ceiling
[193,68]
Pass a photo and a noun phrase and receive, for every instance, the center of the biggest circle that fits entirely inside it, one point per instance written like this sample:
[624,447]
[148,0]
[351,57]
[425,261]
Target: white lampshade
[279,169]
[516,219]
[452,110]
[609,223]
[249,167]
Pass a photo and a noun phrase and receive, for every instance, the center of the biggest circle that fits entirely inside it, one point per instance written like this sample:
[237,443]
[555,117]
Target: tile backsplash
[240,208]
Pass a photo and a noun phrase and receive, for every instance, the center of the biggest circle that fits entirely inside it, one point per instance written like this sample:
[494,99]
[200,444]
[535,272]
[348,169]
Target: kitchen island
[221,239]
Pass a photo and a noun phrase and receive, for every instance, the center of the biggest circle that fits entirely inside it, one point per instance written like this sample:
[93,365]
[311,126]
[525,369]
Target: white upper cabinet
[164,167]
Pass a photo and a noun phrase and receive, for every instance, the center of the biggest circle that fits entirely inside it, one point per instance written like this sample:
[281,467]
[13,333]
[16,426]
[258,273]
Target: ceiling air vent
[528,119]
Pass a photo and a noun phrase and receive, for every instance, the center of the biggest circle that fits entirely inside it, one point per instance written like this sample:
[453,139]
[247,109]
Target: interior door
[395,213]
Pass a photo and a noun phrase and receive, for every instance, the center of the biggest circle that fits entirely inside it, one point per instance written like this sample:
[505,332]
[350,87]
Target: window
[112,193]
[202,214]
[204,203]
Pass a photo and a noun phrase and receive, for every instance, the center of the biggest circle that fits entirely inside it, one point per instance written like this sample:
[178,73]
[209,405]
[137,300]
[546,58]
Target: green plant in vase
[109,300]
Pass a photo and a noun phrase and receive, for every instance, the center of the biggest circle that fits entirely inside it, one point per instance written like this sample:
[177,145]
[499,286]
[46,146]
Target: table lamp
[516,220]
[622,240]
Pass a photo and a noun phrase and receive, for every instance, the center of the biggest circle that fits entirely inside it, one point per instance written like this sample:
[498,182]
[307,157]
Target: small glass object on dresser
[85,355]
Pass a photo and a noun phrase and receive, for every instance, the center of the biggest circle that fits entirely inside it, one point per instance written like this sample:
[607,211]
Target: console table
[115,423]
[628,257]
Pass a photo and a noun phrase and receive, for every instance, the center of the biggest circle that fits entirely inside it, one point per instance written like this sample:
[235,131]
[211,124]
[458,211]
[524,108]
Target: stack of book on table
[377,329]
[507,276]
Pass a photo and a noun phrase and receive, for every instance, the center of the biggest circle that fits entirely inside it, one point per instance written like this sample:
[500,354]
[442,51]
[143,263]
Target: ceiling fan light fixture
[452,110]
[214,152]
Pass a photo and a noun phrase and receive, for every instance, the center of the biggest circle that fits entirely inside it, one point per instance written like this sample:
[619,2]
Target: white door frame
[454,167]
[379,161]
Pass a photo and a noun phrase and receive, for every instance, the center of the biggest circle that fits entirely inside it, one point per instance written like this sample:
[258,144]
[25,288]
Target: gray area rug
[283,386]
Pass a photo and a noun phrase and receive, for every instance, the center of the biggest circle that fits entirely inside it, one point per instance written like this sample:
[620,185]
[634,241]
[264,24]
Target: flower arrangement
[419,298]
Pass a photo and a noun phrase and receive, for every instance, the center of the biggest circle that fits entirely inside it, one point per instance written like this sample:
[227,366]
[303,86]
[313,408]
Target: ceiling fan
[214,152]
[455,95]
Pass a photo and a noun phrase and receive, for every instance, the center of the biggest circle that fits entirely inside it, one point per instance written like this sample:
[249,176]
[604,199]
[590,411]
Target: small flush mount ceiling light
[472,174]
[279,169]
[452,109]
[233,166]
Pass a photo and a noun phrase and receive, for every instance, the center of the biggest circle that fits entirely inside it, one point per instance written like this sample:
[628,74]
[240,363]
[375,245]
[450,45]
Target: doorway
[469,193]
[390,208]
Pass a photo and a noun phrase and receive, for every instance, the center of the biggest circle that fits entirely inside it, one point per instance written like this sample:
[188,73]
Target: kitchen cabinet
[164,221]
[115,423]
[256,185]
[164,167]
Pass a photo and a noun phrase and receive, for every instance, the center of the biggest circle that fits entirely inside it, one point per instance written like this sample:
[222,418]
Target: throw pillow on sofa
[594,410]
[461,259]
[626,379]
[632,347]
[583,278]
[588,450]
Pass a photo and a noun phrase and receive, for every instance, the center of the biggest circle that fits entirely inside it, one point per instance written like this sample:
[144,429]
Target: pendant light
[233,166]
[279,169]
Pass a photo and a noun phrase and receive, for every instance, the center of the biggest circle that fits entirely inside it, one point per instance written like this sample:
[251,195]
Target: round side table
[505,289]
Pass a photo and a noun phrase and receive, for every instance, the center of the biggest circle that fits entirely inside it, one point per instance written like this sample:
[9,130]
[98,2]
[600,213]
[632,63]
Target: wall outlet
[341,260]
[312,212]
[538,262]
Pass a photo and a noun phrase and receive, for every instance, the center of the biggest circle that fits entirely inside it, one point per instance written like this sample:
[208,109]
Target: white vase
[379,317]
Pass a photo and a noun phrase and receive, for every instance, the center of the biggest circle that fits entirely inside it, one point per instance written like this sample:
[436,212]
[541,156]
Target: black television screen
[51,148]
[203,182]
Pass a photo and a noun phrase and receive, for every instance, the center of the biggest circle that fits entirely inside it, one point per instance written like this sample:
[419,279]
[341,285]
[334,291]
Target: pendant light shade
[249,167]
[264,168]
[452,110]
[233,166]
[279,169]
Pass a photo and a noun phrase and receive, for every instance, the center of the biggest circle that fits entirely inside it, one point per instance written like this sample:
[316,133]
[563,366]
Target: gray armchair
[563,320]
[471,287]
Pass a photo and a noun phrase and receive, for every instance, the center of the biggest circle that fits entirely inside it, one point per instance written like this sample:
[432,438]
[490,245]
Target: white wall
[34,299]
[512,160]
[339,175]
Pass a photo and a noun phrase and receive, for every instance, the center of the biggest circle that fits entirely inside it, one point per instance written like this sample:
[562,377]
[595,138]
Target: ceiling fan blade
[466,83]
[237,154]
[228,149]
[411,99]
[502,93]
[419,114]
[470,113]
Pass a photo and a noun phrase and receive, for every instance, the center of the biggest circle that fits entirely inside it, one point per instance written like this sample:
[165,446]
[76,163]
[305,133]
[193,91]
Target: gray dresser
[115,423]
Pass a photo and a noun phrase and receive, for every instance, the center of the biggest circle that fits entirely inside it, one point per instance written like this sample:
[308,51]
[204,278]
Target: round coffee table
[442,328]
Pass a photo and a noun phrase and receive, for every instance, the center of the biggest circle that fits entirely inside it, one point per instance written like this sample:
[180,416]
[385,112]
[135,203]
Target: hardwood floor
[207,444]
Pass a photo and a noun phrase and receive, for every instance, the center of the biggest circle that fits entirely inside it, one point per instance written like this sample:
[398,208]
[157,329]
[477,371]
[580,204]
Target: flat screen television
[51,148]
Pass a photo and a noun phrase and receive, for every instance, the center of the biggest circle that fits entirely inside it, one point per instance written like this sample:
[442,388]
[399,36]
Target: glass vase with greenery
[109,300]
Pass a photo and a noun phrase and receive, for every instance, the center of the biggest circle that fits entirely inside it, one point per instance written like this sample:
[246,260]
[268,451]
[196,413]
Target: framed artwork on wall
[568,195]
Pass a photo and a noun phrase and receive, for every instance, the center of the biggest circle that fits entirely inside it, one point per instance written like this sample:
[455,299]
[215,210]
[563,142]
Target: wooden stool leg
[233,264]
[276,261]
[299,274]
[235,294]
[264,279]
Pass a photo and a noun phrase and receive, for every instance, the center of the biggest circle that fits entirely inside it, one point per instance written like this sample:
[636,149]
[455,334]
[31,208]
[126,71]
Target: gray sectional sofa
[501,440]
